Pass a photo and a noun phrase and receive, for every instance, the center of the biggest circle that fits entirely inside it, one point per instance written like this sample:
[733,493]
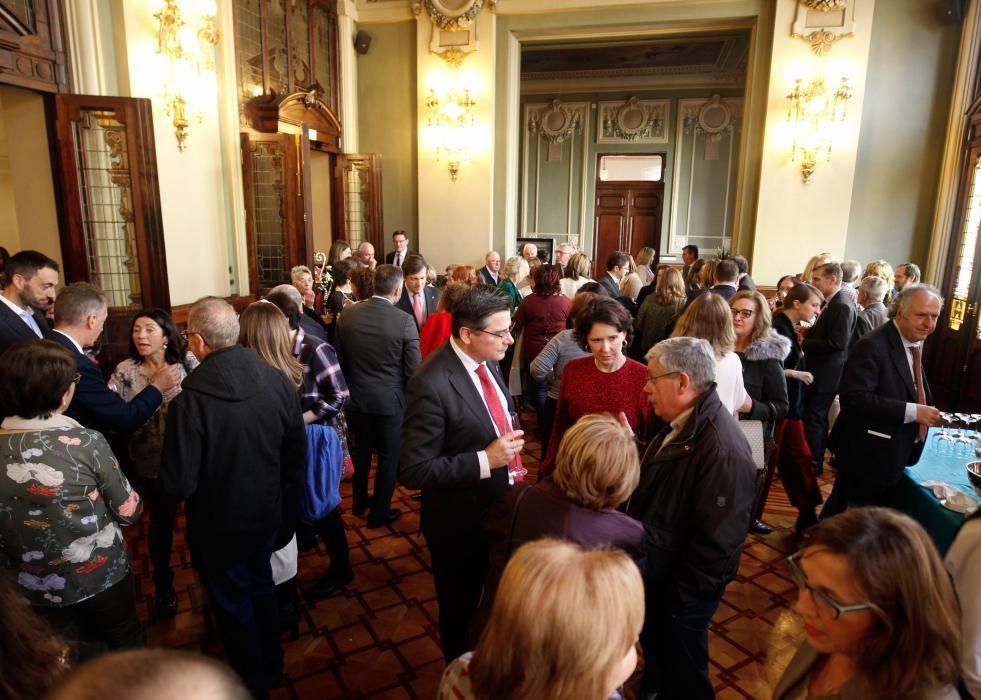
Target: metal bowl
[974,474]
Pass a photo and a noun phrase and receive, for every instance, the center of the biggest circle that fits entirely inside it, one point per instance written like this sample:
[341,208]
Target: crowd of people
[650,385]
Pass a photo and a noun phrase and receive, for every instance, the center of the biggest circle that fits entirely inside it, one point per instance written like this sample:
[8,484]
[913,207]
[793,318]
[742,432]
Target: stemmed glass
[946,420]
[516,473]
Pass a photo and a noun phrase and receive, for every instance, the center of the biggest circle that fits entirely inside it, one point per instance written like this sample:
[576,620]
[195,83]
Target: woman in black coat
[761,352]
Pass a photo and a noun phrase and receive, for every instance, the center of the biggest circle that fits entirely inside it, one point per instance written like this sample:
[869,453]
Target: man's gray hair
[292,292]
[299,270]
[693,356]
[216,321]
[875,288]
[77,302]
[850,270]
[905,297]
[490,253]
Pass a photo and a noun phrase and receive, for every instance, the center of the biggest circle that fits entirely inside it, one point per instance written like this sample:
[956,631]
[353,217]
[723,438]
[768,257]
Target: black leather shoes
[329,585]
[390,517]
[760,528]
[166,605]
[357,510]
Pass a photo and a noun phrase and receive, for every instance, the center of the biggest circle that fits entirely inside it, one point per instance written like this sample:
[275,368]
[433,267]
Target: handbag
[322,479]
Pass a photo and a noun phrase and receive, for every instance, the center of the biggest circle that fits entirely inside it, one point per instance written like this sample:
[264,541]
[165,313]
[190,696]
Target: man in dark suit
[378,347]
[617,266]
[30,280]
[457,443]
[417,300]
[490,273]
[885,405]
[689,254]
[745,281]
[825,349]
[871,292]
[726,279]
[80,314]
[397,257]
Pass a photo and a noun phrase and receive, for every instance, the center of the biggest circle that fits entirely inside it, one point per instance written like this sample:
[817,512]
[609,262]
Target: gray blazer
[870,318]
[378,347]
[805,661]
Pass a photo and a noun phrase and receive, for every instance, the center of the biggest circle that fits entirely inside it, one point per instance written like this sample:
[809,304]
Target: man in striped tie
[886,405]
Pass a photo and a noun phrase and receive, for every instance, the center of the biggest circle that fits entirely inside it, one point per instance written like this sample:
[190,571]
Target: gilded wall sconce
[814,117]
[451,127]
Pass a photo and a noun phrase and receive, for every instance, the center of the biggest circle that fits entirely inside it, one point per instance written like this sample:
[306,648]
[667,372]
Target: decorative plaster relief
[454,26]
[633,121]
[822,23]
[556,122]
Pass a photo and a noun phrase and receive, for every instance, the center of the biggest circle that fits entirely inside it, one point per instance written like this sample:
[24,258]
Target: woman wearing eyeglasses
[879,612]
[154,343]
[62,500]
[761,351]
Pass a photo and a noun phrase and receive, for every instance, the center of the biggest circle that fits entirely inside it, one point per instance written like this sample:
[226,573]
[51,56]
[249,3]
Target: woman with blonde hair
[659,311]
[708,317]
[576,274]
[265,329]
[880,614]
[631,283]
[596,470]
[645,256]
[814,263]
[513,275]
[564,626]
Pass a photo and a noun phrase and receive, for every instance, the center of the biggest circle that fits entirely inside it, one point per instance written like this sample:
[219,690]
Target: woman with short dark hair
[606,382]
[64,497]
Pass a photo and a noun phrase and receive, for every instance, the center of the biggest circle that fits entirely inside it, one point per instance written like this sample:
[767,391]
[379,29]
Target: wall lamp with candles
[813,116]
[451,127]
[186,41]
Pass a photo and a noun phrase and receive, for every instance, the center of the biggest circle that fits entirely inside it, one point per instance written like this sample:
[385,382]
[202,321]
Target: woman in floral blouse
[154,342]
[62,500]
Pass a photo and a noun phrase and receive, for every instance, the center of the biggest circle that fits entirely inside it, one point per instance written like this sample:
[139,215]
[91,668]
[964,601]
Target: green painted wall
[912,62]
[387,122]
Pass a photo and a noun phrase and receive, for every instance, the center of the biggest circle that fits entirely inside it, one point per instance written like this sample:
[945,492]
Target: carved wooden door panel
[109,207]
[627,217]
[358,201]
[32,51]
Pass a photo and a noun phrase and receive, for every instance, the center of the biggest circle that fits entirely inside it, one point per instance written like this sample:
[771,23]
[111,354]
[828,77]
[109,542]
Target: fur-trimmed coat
[764,380]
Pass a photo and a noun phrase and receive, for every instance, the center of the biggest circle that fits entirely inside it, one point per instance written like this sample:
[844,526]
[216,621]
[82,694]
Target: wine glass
[516,472]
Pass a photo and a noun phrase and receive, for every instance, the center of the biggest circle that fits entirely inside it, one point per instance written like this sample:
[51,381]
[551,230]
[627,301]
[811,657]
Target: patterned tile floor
[378,638]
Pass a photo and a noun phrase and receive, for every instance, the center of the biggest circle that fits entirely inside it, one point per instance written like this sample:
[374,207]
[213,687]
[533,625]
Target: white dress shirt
[470,365]
[26,315]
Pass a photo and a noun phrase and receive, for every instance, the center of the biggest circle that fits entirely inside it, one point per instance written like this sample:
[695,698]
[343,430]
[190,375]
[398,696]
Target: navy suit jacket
[98,407]
[13,329]
[610,285]
[445,425]
[430,294]
[870,437]
[826,345]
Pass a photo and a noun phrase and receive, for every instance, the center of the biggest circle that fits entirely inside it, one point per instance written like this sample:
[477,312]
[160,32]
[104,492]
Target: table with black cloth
[939,462]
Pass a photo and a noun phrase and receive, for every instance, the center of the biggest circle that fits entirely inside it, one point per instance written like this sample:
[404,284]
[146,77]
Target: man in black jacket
[695,498]
[825,350]
[235,450]
[886,404]
[29,282]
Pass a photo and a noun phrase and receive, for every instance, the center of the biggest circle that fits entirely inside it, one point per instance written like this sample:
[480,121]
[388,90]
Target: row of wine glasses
[959,429]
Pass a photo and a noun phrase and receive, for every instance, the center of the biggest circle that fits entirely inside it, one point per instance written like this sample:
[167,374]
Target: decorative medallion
[555,123]
[633,121]
[825,5]
[452,15]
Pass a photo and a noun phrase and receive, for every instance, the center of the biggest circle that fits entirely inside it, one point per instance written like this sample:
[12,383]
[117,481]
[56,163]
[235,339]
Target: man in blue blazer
[414,269]
[80,314]
[886,404]
[30,281]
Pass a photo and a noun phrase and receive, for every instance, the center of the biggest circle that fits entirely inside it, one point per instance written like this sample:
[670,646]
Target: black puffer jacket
[694,499]
[764,380]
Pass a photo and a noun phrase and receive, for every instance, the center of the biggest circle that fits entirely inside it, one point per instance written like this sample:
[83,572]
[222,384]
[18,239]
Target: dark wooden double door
[627,217]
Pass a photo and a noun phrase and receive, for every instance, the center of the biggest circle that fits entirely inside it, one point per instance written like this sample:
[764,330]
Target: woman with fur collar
[761,351]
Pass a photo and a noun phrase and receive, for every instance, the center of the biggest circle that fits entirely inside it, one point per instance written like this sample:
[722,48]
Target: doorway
[321,196]
[629,204]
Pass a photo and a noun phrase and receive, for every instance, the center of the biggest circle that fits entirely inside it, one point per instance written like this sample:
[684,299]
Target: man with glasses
[695,498]
[378,347]
[235,450]
[460,446]
[417,300]
[80,314]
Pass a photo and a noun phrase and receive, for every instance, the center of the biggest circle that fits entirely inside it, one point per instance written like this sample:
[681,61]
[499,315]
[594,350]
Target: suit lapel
[17,326]
[900,359]
[465,388]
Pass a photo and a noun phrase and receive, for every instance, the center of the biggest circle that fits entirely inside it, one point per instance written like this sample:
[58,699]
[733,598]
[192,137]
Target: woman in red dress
[607,382]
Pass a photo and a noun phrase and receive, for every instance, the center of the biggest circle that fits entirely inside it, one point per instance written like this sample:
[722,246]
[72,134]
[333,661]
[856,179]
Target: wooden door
[276,220]
[109,207]
[627,217]
[953,354]
[32,51]
[358,201]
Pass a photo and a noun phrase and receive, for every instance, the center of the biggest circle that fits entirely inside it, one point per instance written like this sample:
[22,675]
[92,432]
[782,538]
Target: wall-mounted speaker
[362,42]
[950,11]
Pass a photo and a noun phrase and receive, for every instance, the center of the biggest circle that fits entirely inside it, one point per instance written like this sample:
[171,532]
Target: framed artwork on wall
[633,121]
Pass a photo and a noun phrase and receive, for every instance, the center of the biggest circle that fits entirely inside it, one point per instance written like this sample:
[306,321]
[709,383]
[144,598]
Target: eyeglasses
[743,313]
[500,335]
[653,380]
[186,335]
[827,606]
[77,378]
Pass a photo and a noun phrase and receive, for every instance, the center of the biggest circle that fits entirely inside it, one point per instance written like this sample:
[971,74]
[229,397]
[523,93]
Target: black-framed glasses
[827,606]
[743,313]
[653,380]
[500,335]
[185,335]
